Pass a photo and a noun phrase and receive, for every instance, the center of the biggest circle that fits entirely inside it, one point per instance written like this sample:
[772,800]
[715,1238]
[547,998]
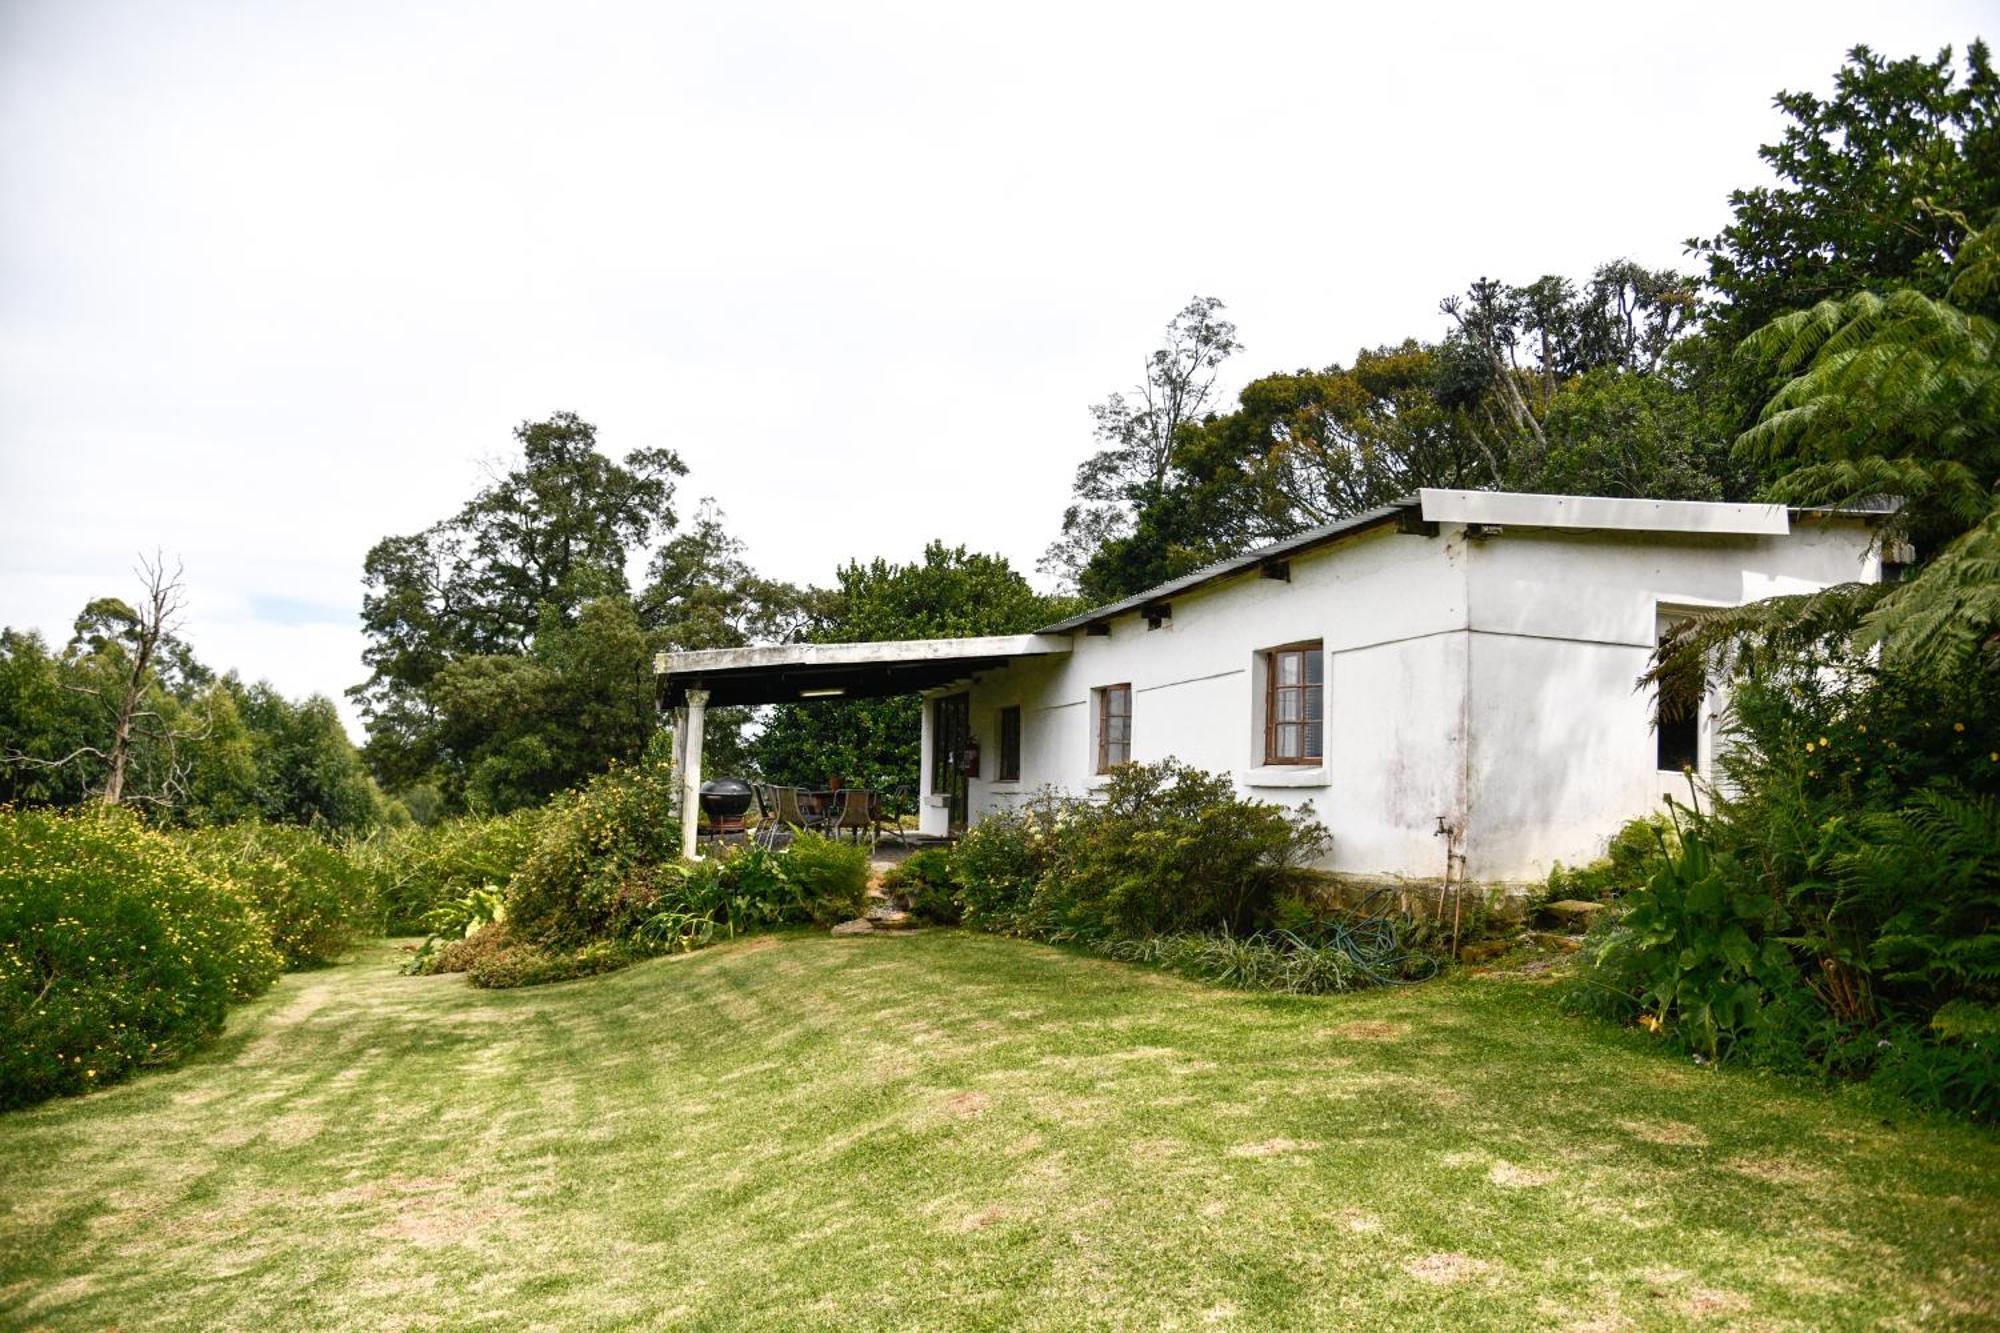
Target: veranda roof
[788,672]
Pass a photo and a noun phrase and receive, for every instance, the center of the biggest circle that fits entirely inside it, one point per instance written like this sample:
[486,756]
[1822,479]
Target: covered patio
[689,683]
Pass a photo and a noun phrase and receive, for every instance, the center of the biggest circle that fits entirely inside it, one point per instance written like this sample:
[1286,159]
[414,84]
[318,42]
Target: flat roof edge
[1603,513]
[700,661]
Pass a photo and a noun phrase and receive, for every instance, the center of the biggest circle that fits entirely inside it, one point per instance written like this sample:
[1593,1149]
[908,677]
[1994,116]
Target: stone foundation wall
[1481,908]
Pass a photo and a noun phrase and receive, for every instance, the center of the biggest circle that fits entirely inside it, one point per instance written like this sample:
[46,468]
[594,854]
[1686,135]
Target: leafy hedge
[1161,849]
[1839,910]
[596,867]
[602,885]
[117,949]
[315,902]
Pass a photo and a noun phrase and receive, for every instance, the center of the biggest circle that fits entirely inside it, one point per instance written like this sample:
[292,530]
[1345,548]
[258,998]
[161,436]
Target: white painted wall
[1486,680]
[1563,624]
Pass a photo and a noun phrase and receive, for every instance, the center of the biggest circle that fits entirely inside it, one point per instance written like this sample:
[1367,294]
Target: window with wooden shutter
[1295,704]
[1114,726]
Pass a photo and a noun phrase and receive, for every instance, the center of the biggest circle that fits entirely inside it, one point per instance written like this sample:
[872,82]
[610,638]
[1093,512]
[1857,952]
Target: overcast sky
[276,278]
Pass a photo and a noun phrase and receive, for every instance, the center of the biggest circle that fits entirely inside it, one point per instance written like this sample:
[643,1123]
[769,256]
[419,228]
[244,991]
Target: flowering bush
[116,949]
[315,902]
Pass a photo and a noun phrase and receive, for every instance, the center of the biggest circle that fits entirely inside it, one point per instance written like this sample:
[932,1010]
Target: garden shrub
[1841,896]
[462,953]
[585,878]
[453,924]
[1628,861]
[1167,849]
[520,964]
[1161,849]
[831,877]
[315,901]
[117,949]
[925,880]
[1001,859]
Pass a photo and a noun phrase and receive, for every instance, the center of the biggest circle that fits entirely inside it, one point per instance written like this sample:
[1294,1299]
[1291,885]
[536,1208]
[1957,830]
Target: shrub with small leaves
[315,901]
[587,877]
[117,949]
[924,880]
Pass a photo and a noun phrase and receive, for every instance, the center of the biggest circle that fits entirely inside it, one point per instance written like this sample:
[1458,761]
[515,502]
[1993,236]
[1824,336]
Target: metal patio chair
[787,810]
[854,808]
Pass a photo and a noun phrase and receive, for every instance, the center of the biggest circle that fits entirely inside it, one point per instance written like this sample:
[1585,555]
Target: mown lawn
[960,1131]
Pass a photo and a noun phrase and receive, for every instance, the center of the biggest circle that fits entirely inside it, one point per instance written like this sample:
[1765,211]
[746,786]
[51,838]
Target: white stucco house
[1461,664]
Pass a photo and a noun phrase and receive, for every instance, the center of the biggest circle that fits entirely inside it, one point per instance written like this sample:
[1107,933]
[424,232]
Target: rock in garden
[1573,912]
[860,925]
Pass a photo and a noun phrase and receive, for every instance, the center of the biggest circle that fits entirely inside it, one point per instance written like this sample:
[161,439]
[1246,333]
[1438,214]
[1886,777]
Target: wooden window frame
[1314,648]
[1105,694]
[1007,766]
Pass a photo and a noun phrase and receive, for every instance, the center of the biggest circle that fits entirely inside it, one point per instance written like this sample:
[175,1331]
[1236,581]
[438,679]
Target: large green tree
[1553,385]
[1886,395]
[200,749]
[1138,434]
[467,619]
[1878,186]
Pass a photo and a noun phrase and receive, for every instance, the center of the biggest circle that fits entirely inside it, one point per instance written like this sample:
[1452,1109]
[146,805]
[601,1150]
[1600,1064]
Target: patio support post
[689,745]
[677,719]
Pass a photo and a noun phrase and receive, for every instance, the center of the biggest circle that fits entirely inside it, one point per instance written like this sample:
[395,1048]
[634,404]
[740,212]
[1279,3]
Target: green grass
[961,1131]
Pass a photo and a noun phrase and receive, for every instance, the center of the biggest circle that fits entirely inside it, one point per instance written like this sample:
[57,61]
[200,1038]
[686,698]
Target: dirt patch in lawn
[1445,1270]
[1512,1177]
[1668,1133]
[1777,1171]
[1369,1030]
[1273,1148]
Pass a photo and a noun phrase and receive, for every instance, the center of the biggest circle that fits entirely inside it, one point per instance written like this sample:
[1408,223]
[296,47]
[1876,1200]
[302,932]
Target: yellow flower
[1958,726]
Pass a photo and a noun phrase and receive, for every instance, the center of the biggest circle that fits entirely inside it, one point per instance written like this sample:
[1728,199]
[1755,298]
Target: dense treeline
[125,714]
[1626,383]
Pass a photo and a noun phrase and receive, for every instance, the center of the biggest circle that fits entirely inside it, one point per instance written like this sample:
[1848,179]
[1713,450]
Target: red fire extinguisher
[968,759]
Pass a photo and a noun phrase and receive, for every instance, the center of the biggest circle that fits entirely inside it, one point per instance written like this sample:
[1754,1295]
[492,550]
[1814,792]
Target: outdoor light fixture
[822,694]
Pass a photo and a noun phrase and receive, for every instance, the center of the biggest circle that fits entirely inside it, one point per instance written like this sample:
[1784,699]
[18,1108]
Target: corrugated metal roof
[1236,564]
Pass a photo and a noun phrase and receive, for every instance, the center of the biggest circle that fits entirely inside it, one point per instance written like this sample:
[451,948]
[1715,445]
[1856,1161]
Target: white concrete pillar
[678,721]
[690,748]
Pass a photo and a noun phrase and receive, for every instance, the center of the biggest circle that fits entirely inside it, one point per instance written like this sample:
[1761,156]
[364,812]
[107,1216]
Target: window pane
[1315,739]
[1288,742]
[1290,706]
[1289,666]
[1315,665]
[1315,703]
